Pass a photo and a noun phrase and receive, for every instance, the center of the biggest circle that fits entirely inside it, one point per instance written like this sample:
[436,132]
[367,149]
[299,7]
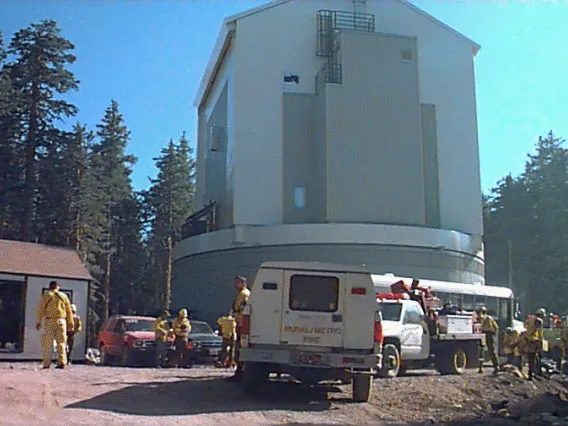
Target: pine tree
[10,155]
[111,168]
[37,74]
[170,200]
[526,228]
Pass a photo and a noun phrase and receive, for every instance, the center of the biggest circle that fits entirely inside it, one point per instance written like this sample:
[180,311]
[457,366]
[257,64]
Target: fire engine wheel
[362,387]
[254,374]
[452,360]
[391,362]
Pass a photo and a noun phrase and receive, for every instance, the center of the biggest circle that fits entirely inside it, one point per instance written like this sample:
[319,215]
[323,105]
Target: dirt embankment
[89,395]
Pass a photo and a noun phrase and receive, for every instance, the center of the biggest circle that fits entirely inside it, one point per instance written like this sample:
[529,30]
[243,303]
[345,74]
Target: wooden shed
[25,272]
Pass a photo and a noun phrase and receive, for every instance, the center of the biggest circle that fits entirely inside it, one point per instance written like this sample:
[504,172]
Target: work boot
[60,366]
[480,371]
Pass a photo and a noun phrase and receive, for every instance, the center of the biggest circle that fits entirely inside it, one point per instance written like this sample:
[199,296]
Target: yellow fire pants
[54,330]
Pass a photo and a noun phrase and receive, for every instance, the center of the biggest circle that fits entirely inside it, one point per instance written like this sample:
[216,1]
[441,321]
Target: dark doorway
[12,315]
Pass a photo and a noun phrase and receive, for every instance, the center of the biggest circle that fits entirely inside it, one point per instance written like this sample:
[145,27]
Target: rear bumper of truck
[290,357]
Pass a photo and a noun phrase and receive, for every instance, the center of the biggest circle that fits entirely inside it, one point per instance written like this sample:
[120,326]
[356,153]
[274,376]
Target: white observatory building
[335,131]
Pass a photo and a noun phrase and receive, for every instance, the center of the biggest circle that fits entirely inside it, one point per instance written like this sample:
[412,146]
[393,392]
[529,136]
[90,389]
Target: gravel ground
[93,395]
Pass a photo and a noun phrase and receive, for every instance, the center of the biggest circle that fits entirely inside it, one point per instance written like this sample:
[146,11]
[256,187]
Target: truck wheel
[253,376]
[391,362]
[452,361]
[362,386]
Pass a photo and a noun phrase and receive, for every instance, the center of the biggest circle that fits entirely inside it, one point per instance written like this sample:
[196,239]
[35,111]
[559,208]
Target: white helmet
[74,308]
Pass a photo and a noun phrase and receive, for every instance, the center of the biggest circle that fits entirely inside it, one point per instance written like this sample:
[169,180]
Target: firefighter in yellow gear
[77,327]
[533,342]
[161,330]
[55,312]
[241,298]
[490,329]
[181,328]
[511,347]
[228,325]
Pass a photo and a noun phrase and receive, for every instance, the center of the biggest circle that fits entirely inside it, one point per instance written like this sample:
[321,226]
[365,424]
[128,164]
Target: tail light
[378,330]
[245,325]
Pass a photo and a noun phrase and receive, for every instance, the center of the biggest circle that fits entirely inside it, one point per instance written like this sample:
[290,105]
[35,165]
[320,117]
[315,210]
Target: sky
[150,56]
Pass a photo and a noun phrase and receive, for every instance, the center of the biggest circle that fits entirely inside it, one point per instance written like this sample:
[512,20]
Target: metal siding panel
[296,111]
[316,192]
[216,163]
[431,179]
[375,148]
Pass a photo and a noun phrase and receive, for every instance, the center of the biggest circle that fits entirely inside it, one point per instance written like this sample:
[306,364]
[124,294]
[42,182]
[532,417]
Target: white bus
[499,301]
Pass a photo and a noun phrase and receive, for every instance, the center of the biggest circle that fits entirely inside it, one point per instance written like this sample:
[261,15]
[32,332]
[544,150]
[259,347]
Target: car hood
[204,336]
[144,335]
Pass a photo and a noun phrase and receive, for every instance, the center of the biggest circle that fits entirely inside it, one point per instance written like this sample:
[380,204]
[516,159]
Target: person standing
[55,312]
[241,298]
[161,331]
[77,327]
[181,327]
[228,326]
[534,339]
[489,328]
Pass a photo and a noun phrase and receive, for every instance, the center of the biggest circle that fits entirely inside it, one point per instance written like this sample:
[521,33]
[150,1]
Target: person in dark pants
[182,328]
[241,299]
[78,326]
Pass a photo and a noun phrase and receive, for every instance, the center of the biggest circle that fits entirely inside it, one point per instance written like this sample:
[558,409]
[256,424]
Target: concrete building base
[205,265]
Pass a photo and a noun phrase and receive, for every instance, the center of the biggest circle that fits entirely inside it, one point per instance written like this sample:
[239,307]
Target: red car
[127,340]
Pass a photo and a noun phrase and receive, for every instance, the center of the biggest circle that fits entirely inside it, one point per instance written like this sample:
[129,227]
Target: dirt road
[89,395]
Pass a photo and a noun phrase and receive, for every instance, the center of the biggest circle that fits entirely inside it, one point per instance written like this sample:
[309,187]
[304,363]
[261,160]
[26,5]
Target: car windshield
[200,328]
[390,311]
[138,325]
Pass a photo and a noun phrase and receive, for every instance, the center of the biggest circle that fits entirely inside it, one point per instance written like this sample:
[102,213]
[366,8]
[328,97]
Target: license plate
[309,359]
[214,352]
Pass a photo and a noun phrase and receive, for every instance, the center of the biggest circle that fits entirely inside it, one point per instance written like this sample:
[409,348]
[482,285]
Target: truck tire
[391,362]
[254,374]
[452,360]
[362,387]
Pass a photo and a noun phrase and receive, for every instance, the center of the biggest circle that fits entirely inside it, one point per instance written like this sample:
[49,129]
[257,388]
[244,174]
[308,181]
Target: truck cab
[412,340]
[313,321]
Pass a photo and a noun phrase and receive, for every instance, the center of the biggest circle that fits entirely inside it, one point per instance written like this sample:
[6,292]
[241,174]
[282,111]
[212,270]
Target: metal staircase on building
[329,23]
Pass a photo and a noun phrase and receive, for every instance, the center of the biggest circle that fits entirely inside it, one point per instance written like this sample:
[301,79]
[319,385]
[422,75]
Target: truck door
[312,311]
[412,332]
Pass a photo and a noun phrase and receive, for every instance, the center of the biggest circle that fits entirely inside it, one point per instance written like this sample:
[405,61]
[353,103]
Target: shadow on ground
[197,396]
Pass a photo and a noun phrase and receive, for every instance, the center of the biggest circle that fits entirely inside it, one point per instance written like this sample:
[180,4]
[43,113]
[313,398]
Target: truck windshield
[138,325]
[314,293]
[390,311]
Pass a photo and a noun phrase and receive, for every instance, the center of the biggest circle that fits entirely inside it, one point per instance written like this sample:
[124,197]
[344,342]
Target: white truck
[314,321]
[409,342]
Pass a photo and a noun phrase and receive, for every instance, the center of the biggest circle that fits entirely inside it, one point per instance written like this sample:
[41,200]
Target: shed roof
[228,27]
[40,260]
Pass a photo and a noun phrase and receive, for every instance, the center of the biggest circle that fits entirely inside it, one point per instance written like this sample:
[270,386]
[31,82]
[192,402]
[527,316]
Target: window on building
[299,197]
[406,54]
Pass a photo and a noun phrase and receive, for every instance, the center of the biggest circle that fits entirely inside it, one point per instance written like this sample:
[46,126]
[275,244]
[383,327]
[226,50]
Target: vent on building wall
[406,54]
